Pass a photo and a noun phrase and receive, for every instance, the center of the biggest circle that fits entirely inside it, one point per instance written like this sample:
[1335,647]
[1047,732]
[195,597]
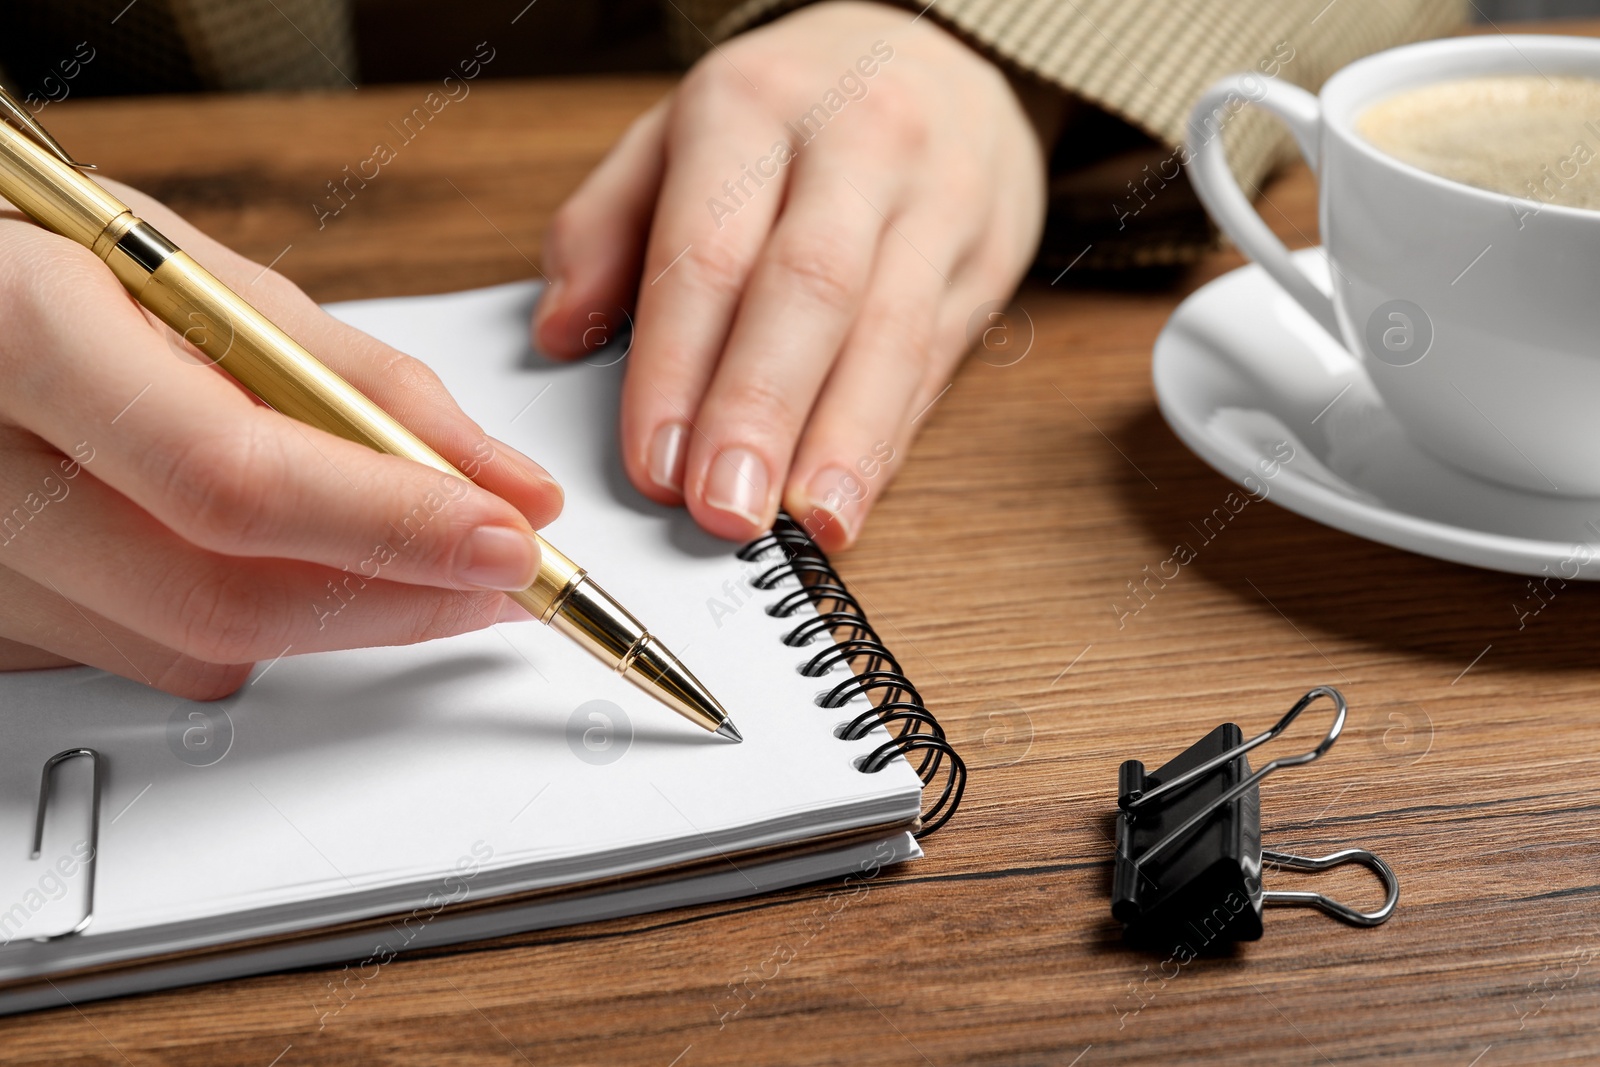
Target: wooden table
[1037,492]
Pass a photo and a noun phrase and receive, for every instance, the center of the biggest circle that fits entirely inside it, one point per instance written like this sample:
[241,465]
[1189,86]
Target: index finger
[707,234]
[401,385]
[87,374]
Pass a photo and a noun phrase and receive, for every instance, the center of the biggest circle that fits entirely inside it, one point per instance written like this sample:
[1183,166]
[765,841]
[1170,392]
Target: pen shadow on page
[339,709]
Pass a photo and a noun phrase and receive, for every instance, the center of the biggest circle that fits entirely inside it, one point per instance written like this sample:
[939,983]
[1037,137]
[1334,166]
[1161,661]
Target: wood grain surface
[998,568]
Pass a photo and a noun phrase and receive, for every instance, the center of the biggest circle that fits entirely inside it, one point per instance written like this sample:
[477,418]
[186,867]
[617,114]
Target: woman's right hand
[158,522]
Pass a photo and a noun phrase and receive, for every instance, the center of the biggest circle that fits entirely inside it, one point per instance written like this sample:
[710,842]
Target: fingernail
[497,557]
[737,483]
[666,456]
[825,492]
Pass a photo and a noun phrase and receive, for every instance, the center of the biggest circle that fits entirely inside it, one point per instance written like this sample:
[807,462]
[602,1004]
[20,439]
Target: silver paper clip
[94,830]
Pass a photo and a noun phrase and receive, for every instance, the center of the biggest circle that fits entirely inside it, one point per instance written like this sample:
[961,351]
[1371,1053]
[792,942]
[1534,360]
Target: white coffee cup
[1476,314]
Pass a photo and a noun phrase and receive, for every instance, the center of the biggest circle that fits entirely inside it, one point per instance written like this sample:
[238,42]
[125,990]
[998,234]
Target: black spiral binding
[877,672]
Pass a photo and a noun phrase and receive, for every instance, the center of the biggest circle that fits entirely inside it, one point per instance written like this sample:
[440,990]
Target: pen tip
[728,730]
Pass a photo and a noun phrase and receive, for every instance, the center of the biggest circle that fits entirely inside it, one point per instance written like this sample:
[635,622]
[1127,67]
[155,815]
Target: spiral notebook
[351,806]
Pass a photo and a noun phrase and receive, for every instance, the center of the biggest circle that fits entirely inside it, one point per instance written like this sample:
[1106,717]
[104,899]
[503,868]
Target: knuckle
[759,402]
[900,118]
[45,283]
[717,268]
[793,75]
[40,274]
[713,83]
[410,375]
[221,617]
[34,253]
[215,487]
[816,267]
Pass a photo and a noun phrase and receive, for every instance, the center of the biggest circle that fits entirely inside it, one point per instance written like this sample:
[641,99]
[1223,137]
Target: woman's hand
[160,523]
[808,222]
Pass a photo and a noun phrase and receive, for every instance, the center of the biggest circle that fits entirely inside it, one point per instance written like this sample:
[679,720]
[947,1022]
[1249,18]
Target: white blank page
[370,774]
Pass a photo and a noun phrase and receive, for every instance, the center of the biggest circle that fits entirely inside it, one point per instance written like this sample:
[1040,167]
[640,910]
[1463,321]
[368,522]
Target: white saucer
[1241,367]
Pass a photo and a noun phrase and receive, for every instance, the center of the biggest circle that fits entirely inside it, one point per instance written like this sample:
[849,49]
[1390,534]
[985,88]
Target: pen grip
[246,345]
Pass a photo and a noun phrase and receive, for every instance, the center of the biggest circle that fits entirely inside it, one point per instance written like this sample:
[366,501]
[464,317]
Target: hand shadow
[595,412]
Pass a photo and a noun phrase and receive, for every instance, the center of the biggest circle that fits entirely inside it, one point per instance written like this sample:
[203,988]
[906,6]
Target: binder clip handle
[1189,853]
[1332,907]
[1134,796]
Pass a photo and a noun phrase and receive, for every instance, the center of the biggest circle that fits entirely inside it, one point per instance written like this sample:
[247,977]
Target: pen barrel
[246,345]
[52,193]
[38,176]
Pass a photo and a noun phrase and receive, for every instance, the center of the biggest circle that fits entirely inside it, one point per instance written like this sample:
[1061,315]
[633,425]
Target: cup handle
[1214,182]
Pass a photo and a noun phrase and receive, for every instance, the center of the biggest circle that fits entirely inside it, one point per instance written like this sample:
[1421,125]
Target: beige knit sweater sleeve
[1142,62]
[1133,67]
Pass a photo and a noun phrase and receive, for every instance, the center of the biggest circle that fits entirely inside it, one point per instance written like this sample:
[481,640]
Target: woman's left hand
[808,224]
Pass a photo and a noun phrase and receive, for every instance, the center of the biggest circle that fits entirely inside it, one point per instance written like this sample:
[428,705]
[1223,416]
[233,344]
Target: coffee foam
[1522,135]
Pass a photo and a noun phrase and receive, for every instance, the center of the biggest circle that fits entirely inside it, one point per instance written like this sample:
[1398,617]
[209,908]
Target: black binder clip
[1189,856]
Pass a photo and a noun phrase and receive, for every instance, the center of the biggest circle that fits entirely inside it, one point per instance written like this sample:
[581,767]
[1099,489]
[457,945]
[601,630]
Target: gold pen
[38,176]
